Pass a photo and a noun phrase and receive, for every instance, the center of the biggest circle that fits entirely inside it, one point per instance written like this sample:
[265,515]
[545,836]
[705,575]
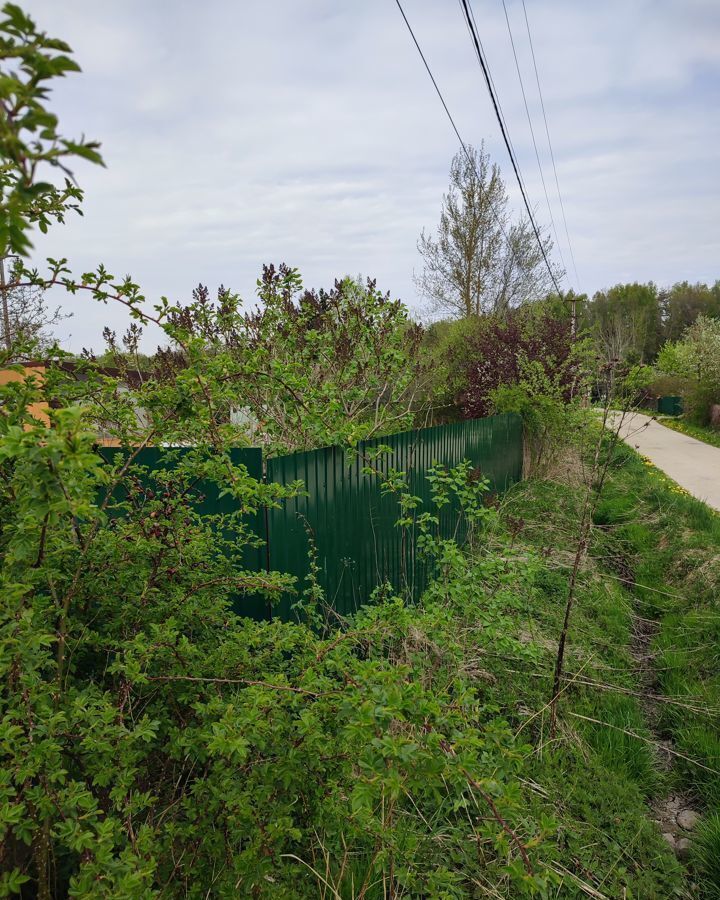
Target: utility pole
[573,301]
[573,315]
[5,310]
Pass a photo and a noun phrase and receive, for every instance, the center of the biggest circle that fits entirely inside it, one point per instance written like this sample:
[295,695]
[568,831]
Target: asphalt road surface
[693,464]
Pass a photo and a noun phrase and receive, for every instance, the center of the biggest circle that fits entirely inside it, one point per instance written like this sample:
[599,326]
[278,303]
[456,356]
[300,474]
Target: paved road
[691,463]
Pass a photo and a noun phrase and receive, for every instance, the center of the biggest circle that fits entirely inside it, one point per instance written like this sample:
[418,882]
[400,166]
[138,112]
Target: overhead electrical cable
[552,155]
[448,113]
[477,31]
[506,138]
[474,32]
[532,132]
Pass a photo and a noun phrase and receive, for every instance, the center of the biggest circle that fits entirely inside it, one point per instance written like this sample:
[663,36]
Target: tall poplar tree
[480,260]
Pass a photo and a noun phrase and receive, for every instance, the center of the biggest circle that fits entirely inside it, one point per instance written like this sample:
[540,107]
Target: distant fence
[345,517]
[670,406]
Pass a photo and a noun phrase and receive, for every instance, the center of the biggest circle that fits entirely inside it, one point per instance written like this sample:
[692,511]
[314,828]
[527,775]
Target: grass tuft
[706,857]
[702,745]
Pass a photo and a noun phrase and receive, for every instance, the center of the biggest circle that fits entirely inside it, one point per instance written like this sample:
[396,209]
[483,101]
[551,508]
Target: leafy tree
[25,319]
[480,261]
[446,356]
[310,368]
[625,322]
[696,361]
[30,140]
[683,303]
[501,347]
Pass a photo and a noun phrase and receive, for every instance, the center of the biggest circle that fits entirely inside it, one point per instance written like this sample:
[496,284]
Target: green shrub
[551,422]
[696,361]
[152,739]
[666,385]
[152,742]
[447,356]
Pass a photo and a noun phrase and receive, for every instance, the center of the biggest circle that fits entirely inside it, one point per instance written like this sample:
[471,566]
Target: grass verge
[653,565]
[699,432]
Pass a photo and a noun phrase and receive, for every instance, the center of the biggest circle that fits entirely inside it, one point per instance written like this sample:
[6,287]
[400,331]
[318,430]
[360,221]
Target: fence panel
[344,514]
[670,406]
[209,502]
[350,522]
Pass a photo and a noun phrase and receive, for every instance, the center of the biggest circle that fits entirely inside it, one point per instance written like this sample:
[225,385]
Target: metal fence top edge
[396,436]
[412,434]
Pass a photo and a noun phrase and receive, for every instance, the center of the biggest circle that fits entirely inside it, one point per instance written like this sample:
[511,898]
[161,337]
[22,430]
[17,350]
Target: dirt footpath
[691,463]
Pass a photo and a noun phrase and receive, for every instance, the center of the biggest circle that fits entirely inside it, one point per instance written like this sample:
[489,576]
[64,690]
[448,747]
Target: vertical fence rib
[353,522]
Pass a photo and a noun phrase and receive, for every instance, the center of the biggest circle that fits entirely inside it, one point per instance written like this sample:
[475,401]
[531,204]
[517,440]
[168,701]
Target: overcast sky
[307,131]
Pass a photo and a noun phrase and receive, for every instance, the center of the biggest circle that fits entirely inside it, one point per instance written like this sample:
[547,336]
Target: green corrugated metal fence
[351,522]
[210,503]
[344,514]
[670,406]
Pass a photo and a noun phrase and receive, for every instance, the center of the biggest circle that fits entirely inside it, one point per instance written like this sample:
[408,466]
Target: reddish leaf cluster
[497,346]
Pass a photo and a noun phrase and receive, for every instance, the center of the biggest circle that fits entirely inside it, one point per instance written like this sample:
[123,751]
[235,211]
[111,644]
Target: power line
[492,81]
[532,131]
[479,50]
[552,155]
[506,139]
[469,156]
[476,34]
[449,115]
[477,31]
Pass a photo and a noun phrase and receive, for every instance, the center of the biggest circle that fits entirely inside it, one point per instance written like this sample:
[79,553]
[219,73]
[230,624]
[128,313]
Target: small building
[38,369]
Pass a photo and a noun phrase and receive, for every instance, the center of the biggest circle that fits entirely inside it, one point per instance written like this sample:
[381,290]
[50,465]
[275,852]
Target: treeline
[490,276]
[469,359]
[631,322]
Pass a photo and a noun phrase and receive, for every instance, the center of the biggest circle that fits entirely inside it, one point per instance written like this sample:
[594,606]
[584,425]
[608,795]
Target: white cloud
[237,134]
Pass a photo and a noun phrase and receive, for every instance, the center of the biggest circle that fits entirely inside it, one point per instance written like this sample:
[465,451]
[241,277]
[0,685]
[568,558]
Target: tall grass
[705,857]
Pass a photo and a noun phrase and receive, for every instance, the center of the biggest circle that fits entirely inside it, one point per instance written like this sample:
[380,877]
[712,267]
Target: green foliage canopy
[30,142]
[695,360]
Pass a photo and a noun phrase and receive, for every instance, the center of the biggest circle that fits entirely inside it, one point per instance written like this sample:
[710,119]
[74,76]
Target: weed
[702,745]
